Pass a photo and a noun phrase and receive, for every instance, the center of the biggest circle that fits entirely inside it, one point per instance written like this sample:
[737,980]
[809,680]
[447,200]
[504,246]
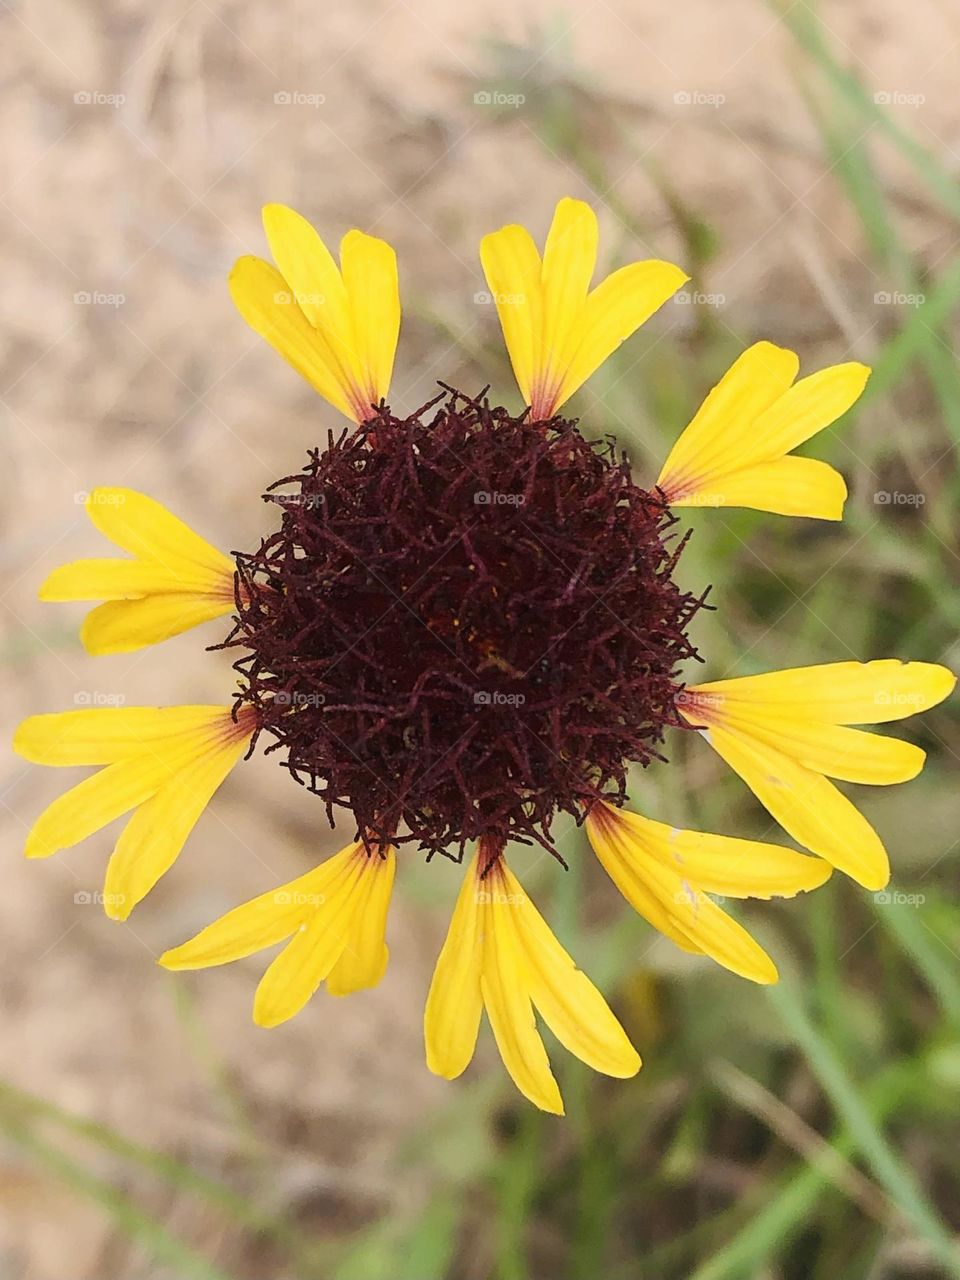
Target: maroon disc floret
[465,623]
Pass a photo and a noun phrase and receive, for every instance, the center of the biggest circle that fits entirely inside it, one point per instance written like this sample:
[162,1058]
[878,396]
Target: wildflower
[463,625]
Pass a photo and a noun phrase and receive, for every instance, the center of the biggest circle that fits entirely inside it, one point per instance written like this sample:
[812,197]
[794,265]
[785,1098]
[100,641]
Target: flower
[464,624]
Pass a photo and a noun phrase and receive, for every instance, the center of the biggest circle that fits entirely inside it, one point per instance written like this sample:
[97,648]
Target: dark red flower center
[465,623]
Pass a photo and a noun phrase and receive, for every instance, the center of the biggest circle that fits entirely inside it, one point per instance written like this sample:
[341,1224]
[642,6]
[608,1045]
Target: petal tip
[21,739]
[35,848]
[273,213]
[242,265]
[268,1018]
[627,1067]
[46,592]
[876,881]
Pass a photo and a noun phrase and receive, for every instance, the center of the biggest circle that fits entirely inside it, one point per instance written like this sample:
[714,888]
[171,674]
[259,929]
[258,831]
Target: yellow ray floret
[735,451]
[667,874]
[501,955]
[337,326]
[335,917]
[175,581]
[785,733]
[164,763]
[558,331]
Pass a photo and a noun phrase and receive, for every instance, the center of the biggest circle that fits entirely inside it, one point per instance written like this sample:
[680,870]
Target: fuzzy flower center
[465,623]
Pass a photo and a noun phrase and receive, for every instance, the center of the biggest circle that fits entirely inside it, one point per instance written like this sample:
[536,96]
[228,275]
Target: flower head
[463,630]
[466,627]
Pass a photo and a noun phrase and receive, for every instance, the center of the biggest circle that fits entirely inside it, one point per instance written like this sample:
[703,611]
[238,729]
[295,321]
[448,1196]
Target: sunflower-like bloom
[464,624]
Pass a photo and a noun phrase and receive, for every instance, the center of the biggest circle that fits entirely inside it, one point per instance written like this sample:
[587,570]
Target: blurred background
[801,161]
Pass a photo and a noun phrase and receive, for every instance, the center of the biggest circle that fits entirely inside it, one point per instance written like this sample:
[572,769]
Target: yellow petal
[311,275]
[108,580]
[176,581]
[512,266]
[848,754]
[787,487]
[337,326]
[155,835]
[124,626]
[146,529]
[170,773]
[807,806]
[265,300]
[95,803]
[639,872]
[297,972]
[728,866]
[364,962]
[733,452]
[569,1003]
[266,920]
[613,311]
[101,735]
[308,958]
[837,692]
[372,282]
[804,409]
[452,1017]
[569,259]
[509,1008]
[709,445]
[558,333]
